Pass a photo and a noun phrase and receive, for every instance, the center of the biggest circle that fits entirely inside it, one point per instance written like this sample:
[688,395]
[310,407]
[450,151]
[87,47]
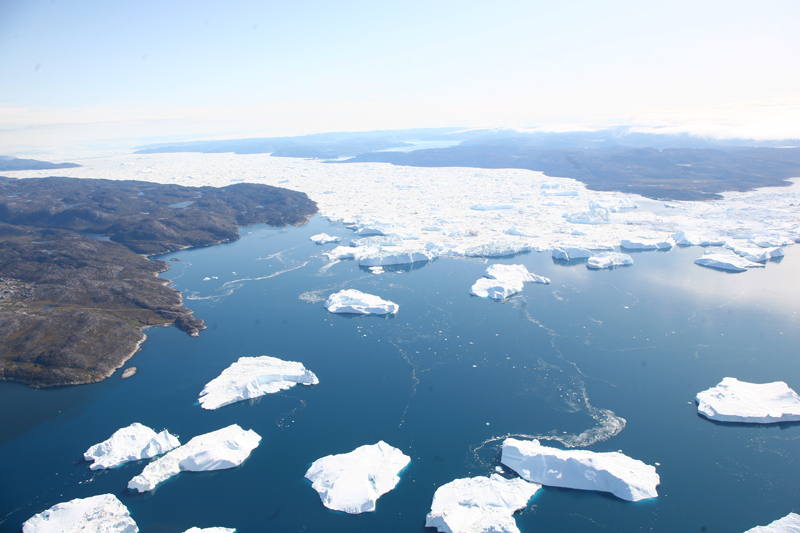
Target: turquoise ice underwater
[444,381]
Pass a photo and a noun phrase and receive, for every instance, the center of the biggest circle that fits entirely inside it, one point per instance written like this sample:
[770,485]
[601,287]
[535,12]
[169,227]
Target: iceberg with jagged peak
[324,238]
[352,482]
[479,504]
[756,403]
[252,377]
[733,263]
[131,443]
[218,450]
[353,301]
[614,472]
[788,524]
[97,514]
[609,260]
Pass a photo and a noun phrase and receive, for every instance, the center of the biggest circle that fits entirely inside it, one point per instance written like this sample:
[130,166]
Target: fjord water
[444,381]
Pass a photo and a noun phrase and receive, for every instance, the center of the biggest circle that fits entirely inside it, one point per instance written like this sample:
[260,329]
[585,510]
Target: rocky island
[76,287]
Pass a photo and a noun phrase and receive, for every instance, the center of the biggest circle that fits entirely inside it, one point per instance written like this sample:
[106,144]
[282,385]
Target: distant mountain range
[12,163]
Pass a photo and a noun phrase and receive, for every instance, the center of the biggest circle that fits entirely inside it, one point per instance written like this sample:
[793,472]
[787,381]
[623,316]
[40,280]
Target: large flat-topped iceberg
[479,505]
[251,377]
[224,448]
[501,281]
[353,301]
[609,260]
[352,482]
[324,238]
[131,443]
[380,257]
[757,403]
[788,524]
[97,514]
[614,472]
[508,272]
[733,263]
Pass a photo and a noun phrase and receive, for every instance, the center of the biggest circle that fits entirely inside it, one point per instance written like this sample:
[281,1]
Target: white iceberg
[757,255]
[352,482]
[568,253]
[479,505]
[96,514]
[499,248]
[592,216]
[496,289]
[609,260]
[479,207]
[251,377]
[340,252]
[377,240]
[771,241]
[507,272]
[381,257]
[731,262]
[324,238]
[224,448]
[646,244]
[614,472]
[788,524]
[131,443]
[211,530]
[688,239]
[757,403]
[359,303]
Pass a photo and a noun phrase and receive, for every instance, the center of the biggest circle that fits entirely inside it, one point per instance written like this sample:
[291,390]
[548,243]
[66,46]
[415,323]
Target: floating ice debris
[788,524]
[688,239]
[324,238]
[352,482]
[479,504]
[251,377]
[131,443]
[360,303]
[96,514]
[643,244]
[622,476]
[224,448]
[757,403]
[609,260]
[211,530]
[496,289]
[731,262]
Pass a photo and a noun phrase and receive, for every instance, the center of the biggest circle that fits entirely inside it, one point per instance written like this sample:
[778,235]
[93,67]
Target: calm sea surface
[445,380]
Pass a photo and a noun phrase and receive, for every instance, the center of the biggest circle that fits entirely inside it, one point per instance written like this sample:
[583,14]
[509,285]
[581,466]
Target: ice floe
[501,281]
[731,262]
[251,377]
[224,448]
[479,504]
[360,303]
[609,260]
[324,238]
[757,403]
[788,524]
[96,514]
[614,472]
[352,482]
[131,443]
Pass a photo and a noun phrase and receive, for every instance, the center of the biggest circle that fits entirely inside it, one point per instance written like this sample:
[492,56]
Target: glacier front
[252,377]
[224,448]
[131,443]
[788,524]
[756,403]
[614,472]
[479,504]
[96,514]
[353,301]
[352,482]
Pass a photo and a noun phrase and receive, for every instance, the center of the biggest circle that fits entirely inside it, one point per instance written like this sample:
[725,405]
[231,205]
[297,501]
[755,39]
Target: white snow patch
[131,443]
[738,401]
[96,514]
[360,303]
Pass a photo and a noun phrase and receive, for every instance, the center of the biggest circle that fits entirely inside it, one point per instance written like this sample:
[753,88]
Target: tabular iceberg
[513,272]
[757,403]
[609,260]
[734,263]
[788,524]
[224,448]
[251,377]
[479,505]
[97,514]
[380,257]
[353,482]
[360,303]
[131,443]
[324,238]
[614,472]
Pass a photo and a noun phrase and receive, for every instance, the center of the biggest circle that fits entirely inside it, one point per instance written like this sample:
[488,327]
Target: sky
[106,73]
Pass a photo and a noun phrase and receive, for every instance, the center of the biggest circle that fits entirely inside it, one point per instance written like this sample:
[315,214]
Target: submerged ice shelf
[756,403]
[97,514]
[131,443]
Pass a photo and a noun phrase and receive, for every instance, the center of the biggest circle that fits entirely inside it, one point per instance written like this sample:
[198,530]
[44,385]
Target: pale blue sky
[106,69]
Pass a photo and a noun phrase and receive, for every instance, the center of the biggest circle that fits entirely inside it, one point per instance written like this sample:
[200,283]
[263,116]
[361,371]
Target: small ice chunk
[224,448]
[131,443]
[360,303]
[324,238]
[251,377]
[614,472]
[352,482]
[609,260]
[479,504]
[738,401]
[497,289]
[97,514]
[730,262]
[788,524]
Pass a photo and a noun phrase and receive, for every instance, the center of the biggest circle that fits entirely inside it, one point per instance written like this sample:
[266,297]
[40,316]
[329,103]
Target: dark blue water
[444,381]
